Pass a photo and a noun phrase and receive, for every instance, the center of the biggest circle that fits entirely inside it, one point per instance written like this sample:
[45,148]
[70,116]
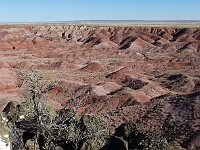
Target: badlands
[141,74]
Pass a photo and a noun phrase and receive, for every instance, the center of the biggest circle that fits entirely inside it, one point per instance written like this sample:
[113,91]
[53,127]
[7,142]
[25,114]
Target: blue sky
[71,10]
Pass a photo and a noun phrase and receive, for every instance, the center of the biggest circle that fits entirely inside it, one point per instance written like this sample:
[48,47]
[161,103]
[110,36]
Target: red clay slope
[97,55]
[122,67]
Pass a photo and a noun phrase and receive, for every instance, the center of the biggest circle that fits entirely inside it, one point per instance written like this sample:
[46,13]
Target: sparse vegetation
[153,82]
[65,129]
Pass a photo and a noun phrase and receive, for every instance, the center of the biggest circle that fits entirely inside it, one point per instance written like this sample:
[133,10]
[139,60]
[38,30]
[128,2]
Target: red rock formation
[124,67]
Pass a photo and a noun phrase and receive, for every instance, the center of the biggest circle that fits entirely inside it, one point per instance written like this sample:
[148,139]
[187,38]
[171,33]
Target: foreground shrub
[63,129]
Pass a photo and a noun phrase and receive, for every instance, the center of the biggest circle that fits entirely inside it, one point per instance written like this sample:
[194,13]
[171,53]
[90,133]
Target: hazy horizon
[112,21]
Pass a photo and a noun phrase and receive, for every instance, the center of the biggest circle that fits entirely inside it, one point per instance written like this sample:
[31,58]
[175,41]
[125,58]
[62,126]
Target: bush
[63,130]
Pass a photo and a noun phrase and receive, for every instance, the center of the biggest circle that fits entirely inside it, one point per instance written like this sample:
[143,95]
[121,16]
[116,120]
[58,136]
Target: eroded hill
[144,75]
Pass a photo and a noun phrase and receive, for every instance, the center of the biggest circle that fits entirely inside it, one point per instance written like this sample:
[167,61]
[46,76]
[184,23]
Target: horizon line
[114,20]
[108,21]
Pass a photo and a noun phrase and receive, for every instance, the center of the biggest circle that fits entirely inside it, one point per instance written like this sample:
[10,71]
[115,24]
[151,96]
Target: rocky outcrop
[138,138]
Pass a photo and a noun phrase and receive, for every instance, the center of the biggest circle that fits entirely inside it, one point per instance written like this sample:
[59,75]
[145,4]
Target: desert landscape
[146,75]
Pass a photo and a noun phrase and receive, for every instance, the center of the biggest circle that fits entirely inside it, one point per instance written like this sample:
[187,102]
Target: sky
[73,10]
